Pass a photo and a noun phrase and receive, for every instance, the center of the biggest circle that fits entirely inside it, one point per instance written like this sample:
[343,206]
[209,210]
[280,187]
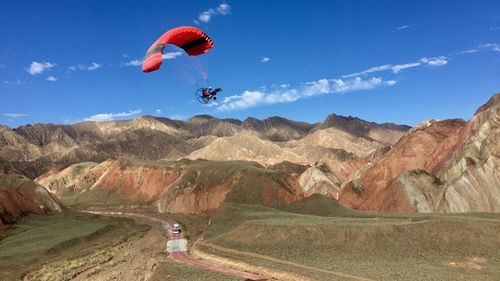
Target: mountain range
[192,166]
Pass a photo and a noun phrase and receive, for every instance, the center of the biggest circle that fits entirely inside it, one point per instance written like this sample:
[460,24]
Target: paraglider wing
[191,39]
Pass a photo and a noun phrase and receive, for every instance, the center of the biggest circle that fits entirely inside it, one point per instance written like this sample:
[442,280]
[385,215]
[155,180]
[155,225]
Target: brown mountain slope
[34,149]
[445,166]
[277,128]
[386,133]
[196,187]
[337,139]
[20,196]
[247,146]
[204,125]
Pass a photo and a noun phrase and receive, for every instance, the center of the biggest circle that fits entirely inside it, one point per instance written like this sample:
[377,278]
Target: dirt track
[180,254]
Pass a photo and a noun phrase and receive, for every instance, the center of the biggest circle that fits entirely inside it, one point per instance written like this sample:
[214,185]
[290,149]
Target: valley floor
[76,246]
[279,244]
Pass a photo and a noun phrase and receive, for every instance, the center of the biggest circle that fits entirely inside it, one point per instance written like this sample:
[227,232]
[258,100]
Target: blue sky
[383,61]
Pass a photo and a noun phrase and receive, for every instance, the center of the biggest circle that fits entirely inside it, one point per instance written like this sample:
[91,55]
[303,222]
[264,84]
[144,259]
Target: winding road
[177,246]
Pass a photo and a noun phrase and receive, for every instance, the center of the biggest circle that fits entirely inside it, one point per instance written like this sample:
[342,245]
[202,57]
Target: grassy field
[38,239]
[379,246]
[56,247]
[173,271]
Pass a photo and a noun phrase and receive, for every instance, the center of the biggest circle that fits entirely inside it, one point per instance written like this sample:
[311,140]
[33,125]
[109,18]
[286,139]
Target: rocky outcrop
[439,166]
[20,196]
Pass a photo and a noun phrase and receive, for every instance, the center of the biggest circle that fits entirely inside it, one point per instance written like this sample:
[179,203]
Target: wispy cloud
[403,27]
[15,115]
[3,65]
[171,55]
[89,67]
[491,46]
[133,63]
[493,28]
[265,59]
[469,51]
[111,116]
[435,61]
[51,78]
[39,67]
[94,66]
[277,94]
[158,111]
[353,82]
[206,16]
[397,68]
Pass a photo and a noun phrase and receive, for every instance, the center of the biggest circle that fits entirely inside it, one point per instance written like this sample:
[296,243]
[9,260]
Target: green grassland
[173,271]
[380,246]
[38,239]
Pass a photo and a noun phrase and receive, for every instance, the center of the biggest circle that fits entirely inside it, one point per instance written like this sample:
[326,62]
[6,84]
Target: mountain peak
[491,102]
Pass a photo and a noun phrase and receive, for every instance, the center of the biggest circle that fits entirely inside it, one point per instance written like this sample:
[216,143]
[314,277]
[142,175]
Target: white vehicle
[176,229]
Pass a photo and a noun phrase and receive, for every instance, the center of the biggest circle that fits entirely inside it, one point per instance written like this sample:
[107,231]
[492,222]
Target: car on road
[176,229]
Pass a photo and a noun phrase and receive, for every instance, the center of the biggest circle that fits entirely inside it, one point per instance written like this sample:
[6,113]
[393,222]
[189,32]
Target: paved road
[177,246]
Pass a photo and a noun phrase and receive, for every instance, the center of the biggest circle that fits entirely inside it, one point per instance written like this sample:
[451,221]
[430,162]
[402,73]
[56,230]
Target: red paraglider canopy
[194,42]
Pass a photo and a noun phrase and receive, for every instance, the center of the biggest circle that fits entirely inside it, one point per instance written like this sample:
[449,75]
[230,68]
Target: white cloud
[403,27]
[278,94]
[51,78]
[224,9]
[111,116]
[172,55]
[369,70]
[321,86]
[491,46]
[94,66]
[15,115]
[39,67]
[265,59]
[398,67]
[470,51]
[435,61]
[394,68]
[206,16]
[133,63]
[355,84]
[158,111]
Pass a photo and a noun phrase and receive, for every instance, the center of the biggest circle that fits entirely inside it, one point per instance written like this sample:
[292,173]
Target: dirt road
[177,246]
